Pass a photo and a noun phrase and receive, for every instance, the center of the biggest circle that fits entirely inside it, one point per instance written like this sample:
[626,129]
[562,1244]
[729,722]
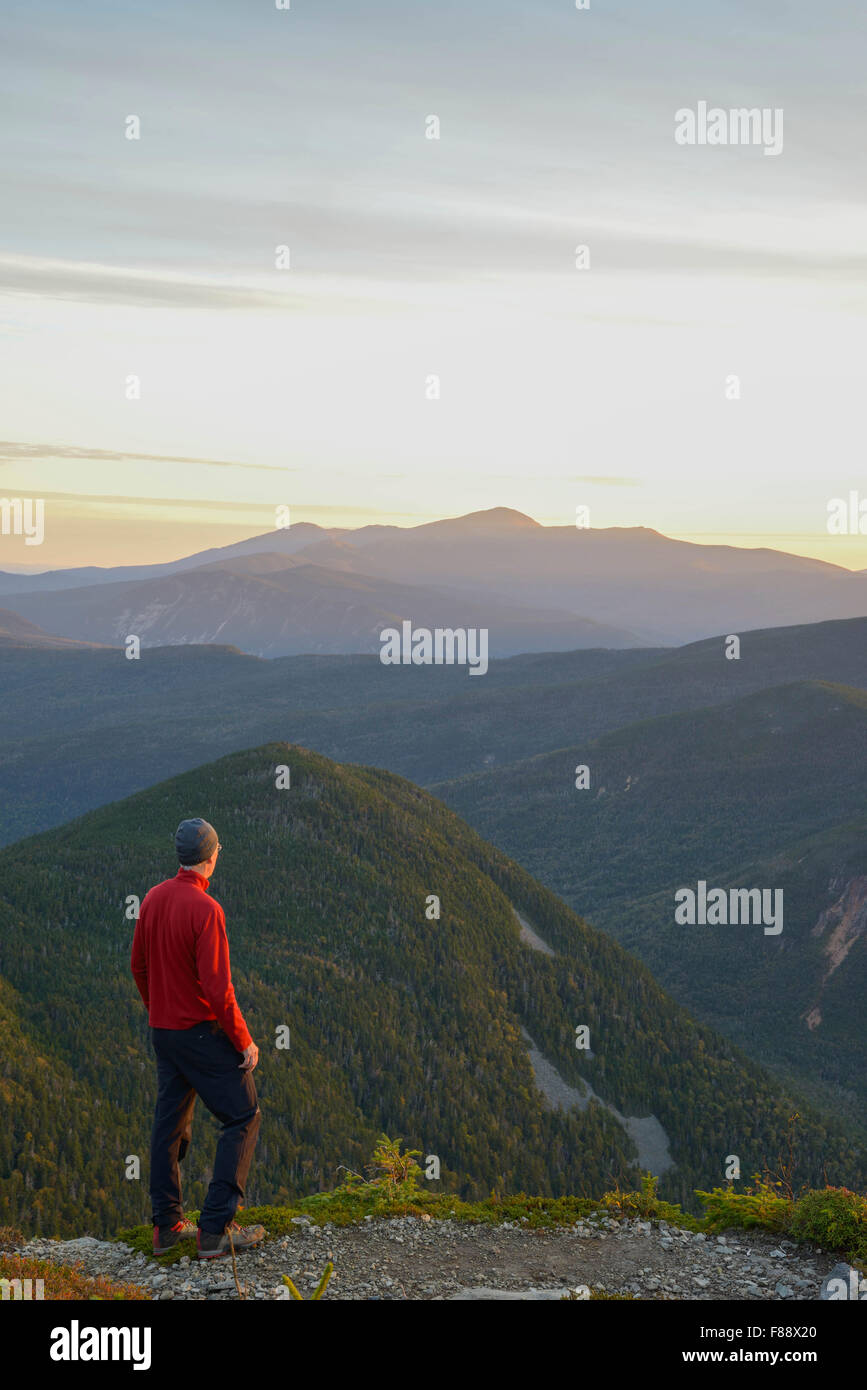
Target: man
[180,961]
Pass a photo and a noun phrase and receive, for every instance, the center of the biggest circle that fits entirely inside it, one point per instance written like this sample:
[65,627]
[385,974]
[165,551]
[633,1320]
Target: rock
[517,1264]
[528,1295]
[82,1247]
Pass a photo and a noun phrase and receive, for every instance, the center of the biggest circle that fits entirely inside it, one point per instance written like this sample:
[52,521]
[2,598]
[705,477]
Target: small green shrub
[647,1206]
[835,1218]
[395,1173]
[758,1206]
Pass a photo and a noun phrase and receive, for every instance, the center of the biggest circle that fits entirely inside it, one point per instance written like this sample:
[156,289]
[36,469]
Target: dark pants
[201,1061]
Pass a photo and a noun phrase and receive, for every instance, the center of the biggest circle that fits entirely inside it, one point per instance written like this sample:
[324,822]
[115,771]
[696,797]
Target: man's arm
[138,961]
[215,977]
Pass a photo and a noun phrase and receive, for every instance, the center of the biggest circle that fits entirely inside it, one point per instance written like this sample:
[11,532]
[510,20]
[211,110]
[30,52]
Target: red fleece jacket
[180,958]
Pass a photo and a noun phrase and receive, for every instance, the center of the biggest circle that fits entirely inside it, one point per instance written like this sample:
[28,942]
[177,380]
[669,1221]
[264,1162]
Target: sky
[412,258]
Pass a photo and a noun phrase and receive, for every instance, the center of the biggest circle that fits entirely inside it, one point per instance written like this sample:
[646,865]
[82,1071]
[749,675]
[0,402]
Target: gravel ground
[420,1258]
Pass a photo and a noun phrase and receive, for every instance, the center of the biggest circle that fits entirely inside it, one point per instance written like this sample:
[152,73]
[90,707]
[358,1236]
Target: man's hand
[251,1057]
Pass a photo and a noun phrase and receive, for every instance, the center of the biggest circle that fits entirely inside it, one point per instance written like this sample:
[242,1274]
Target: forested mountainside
[72,720]
[767,790]
[398,1022]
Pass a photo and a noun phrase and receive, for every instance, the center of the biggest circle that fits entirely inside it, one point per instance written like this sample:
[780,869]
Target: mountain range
[738,772]
[273,605]
[732,772]
[306,588]
[452,1025]
[81,727]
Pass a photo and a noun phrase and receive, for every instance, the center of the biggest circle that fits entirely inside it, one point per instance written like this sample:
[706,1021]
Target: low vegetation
[831,1217]
[59,1282]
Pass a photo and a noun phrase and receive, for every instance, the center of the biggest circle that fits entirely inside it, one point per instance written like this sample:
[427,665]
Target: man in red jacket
[180,961]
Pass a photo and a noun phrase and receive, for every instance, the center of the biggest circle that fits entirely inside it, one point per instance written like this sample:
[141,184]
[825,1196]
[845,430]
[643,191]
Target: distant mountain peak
[498,517]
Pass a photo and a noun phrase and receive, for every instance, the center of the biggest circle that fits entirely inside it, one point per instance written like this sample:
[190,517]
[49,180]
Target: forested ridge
[70,718]
[397,1023]
[765,790]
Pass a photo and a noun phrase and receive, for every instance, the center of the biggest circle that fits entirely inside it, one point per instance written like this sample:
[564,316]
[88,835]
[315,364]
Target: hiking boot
[167,1237]
[212,1245]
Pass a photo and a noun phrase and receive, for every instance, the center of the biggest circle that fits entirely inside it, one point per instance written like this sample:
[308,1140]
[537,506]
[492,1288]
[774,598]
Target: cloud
[202,504]
[254,511]
[406,241]
[90,283]
[12,451]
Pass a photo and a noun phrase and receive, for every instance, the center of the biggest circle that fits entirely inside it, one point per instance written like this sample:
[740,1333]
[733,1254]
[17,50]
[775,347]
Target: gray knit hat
[195,841]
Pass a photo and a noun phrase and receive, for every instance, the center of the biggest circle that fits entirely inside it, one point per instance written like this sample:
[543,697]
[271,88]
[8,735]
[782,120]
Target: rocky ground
[419,1258]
